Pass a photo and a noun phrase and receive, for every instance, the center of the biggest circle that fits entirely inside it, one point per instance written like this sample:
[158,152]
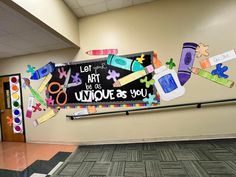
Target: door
[6,113]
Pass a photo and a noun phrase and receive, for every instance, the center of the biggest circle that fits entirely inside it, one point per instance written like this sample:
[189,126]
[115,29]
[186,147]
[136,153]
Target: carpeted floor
[216,158]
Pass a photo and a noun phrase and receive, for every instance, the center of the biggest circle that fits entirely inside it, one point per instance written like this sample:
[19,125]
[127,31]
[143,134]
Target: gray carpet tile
[135,169]
[84,169]
[167,155]
[152,168]
[217,168]
[117,169]
[194,169]
[216,158]
[100,169]
[70,169]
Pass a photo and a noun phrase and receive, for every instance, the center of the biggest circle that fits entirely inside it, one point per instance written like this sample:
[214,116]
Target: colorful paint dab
[202,50]
[170,63]
[140,59]
[150,100]
[16,104]
[30,69]
[220,71]
[147,82]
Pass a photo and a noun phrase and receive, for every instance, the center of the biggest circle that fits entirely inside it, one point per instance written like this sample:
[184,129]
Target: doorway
[7,132]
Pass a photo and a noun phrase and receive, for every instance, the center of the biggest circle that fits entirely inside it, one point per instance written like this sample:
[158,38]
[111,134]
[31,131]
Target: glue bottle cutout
[124,63]
[186,61]
[167,83]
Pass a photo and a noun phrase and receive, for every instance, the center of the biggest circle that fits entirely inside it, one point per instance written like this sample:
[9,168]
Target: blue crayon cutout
[30,69]
[150,99]
[147,83]
[219,71]
[171,63]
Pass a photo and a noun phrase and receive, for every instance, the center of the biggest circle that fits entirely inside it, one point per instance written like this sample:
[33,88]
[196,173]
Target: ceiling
[84,8]
[21,36]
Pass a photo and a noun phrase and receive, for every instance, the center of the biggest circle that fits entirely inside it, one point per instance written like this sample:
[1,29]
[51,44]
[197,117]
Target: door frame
[22,108]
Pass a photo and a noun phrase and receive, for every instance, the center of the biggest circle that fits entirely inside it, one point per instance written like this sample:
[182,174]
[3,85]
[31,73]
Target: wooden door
[6,111]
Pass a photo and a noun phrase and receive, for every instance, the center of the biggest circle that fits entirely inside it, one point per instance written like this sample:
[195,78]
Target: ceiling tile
[95,8]
[79,12]
[73,4]
[83,3]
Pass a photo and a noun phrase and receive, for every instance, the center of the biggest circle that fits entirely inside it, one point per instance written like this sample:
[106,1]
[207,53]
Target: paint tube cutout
[227,56]
[43,71]
[186,61]
[30,109]
[50,114]
[213,78]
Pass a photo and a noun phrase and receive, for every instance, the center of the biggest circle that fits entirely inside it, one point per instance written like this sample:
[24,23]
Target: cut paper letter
[213,78]
[227,56]
[102,52]
[186,61]
[43,71]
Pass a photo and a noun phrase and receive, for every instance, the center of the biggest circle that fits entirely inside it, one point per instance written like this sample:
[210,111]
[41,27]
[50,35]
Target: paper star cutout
[150,99]
[140,59]
[202,50]
[219,71]
[9,121]
[76,78]
[37,107]
[30,69]
[147,83]
[112,75]
[62,73]
[171,63]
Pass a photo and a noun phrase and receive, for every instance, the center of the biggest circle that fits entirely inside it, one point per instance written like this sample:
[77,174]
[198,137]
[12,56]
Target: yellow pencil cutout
[50,114]
[44,83]
[213,78]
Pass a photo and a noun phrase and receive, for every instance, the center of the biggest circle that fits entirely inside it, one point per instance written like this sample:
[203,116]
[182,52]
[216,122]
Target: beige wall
[55,14]
[163,26]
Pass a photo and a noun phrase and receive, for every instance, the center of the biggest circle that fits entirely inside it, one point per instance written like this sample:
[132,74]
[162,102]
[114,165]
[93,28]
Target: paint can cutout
[14,80]
[16,104]
[14,88]
[16,113]
[15,96]
[17,128]
[17,120]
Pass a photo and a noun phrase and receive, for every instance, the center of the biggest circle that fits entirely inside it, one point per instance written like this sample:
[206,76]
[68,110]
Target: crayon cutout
[43,71]
[186,61]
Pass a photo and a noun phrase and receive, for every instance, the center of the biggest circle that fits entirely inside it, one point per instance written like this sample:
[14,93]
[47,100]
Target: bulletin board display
[89,82]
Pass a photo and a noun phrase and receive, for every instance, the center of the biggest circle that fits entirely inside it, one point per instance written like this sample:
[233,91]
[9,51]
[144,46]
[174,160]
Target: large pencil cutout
[213,78]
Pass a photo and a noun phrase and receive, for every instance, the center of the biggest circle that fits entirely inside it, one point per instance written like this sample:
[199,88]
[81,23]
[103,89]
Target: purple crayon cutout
[186,61]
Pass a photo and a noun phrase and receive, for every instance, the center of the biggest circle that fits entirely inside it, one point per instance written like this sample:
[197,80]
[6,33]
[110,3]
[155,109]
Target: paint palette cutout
[16,104]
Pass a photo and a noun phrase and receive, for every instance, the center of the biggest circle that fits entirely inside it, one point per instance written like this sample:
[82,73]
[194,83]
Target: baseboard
[145,140]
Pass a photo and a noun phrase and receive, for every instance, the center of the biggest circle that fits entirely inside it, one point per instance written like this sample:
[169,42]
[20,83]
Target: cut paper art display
[30,69]
[147,82]
[186,61]
[202,50]
[43,85]
[102,52]
[141,59]
[9,121]
[213,78]
[16,104]
[150,100]
[50,114]
[30,107]
[221,58]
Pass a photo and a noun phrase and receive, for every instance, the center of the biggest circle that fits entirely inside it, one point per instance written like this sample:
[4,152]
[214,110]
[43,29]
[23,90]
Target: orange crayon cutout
[156,62]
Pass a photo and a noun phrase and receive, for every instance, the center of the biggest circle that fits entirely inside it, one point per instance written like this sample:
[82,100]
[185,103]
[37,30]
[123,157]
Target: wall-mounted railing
[186,105]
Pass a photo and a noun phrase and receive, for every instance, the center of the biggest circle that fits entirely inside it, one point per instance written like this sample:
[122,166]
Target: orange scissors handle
[54,84]
[62,92]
